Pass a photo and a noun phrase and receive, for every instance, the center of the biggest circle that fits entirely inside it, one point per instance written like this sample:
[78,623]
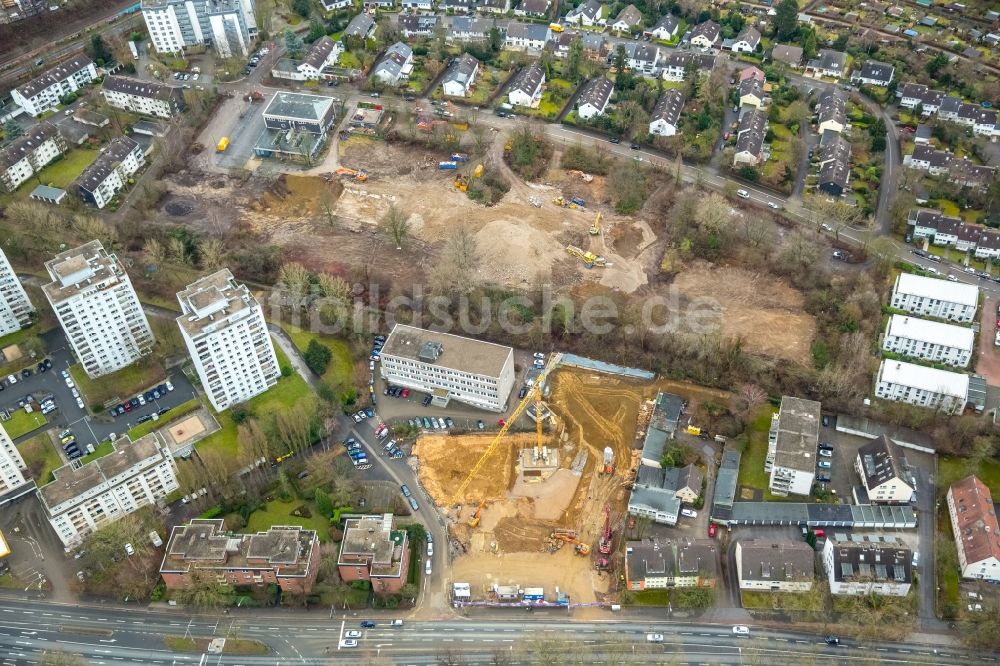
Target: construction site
[543,505]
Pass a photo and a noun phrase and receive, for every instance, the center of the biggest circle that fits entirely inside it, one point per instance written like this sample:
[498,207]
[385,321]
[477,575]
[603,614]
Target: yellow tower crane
[534,395]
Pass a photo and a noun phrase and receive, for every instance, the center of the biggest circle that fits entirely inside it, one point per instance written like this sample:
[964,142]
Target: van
[742,194]
[396,623]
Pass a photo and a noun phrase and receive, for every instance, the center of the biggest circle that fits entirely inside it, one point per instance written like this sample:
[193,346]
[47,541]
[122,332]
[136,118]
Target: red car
[711,530]
[406,393]
[819,533]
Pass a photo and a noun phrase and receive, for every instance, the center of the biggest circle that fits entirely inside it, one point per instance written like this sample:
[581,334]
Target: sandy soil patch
[764,311]
[550,497]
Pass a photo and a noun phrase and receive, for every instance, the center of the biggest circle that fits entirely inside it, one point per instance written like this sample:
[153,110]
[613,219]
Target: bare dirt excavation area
[513,543]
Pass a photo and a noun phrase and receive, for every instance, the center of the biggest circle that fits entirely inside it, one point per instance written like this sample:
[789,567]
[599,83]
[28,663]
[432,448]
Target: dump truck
[459,157]
[448,165]
[222,145]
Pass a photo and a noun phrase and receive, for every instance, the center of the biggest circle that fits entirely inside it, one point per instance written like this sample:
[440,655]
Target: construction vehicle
[448,165]
[507,147]
[222,145]
[605,544]
[505,425]
[478,173]
[459,157]
[474,521]
[569,536]
[560,201]
[602,564]
[595,228]
[358,174]
[579,202]
[585,177]
[608,467]
[589,259]
[462,183]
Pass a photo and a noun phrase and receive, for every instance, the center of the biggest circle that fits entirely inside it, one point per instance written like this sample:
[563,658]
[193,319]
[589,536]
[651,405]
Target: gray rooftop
[662,425]
[110,159]
[298,106]
[58,73]
[777,561]
[798,434]
[457,353]
[25,145]
[882,461]
[150,89]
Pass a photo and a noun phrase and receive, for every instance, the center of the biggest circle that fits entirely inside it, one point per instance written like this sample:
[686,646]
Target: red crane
[605,544]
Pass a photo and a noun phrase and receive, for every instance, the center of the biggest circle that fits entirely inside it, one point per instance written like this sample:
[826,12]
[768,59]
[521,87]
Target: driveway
[988,363]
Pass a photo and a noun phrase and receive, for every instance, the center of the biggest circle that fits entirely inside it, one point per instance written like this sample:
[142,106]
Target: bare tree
[155,252]
[455,272]
[750,398]
[213,253]
[178,250]
[396,224]
[294,277]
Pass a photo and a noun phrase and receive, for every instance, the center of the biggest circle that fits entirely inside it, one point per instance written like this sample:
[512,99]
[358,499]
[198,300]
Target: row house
[922,386]
[932,297]
[913,95]
[953,232]
[146,98]
[834,166]
[670,563]
[44,92]
[30,153]
[527,36]
[469,29]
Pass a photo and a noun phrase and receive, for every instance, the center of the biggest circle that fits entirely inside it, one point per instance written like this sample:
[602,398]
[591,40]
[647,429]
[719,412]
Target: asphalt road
[104,635]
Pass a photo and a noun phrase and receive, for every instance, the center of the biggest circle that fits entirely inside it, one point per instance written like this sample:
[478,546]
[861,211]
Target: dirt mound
[764,311]
[516,253]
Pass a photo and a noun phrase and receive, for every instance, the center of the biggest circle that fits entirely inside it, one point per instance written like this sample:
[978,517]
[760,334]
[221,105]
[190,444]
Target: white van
[742,194]
[741,630]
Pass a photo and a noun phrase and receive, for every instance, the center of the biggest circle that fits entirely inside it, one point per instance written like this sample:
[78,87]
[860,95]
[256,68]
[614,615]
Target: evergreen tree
[786,19]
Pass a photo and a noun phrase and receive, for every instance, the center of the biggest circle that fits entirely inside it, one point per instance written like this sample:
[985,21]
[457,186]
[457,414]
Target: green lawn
[951,470]
[340,370]
[752,472]
[144,429]
[41,457]
[651,597]
[21,422]
[947,207]
[277,512]
[101,450]
[289,391]
[118,385]
[63,172]
[349,60]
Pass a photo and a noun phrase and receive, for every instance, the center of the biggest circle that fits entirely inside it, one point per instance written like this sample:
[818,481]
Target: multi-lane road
[102,635]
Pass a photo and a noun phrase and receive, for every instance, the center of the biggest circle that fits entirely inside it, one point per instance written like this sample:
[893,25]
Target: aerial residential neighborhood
[506,331]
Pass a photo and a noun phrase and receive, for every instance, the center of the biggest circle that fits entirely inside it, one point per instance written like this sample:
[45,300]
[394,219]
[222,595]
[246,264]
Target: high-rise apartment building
[227,25]
[15,308]
[12,466]
[98,309]
[225,332]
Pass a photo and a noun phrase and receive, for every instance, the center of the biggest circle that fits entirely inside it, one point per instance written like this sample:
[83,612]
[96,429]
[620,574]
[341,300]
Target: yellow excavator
[474,521]
[595,228]
[462,183]
[590,259]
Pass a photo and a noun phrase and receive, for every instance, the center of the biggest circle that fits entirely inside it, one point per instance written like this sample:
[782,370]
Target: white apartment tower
[83,498]
[12,466]
[15,308]
[227,25]
[98,309]
[225,332]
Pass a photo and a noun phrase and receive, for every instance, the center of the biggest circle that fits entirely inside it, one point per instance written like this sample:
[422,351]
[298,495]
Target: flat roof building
[175,25]
[449,367]
[929,340]
[916,294]
[97,308]
[284,555]
[791,446]
[922,386]
[374,550]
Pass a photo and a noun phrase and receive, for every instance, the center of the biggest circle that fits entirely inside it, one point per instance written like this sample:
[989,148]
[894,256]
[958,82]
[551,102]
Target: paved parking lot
[89,429]
[988,363]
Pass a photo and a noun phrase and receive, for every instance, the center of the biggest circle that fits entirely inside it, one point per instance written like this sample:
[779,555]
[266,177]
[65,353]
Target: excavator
[589,258]
[595,228]
[462,183]
[358,175]
[474,521]
[569,536]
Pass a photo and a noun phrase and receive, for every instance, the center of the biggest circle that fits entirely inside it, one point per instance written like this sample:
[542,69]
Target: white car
[129,550]
[430,549]
[540,356]
[689,513]
[826,453]
[69,382]
[952,278]
[12,379]
[170,387]
[427,568]
[741,630]
[654,638]
[79,403]
[352,633]
[771,204]
[348,643]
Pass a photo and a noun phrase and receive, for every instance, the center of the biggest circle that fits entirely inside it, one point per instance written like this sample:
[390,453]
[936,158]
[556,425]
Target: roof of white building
[932,332]
[924,378]
[942,290]
[447,351]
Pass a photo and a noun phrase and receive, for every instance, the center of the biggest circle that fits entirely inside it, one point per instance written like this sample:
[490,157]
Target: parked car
[449,422]
[823,464]
[825,453]
[825,446]
[406,490]
[480,425]
[826,421]
[689,513]
[129,550]
[711,530]
[414,505]
[823,478]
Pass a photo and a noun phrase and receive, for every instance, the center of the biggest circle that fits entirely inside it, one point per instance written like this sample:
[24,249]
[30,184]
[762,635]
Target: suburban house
[333,5]
[874,73]
[666,116]
[536,8]
[418,25]
[913,95]
[593,101]
[791,446]
[527,36]
[677,64]
[29,154]
[922,386]
[526,90]
[750,139]
[747,41]
[929,340]
[831,112]
[589,14]
[418,5]
[146,98]
[752,73]
[929,159]
[395,66]
[493,6]
[461,76]
[705,35]
[373,5]
[827,63]
[323,53]
[469,29]
[110,172]
[834,166]
[988,245]
[456,6]
[670,563]
[974,524]
[665,29]
[44,92]
[595,46]
[751,92]
[659,492]
[642,57]
[881,466]
[361,26]
[931,297]
[373,549]
[202,551]
[866,564]
[663,423]
[627,20]
[789,55]
[775,566]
